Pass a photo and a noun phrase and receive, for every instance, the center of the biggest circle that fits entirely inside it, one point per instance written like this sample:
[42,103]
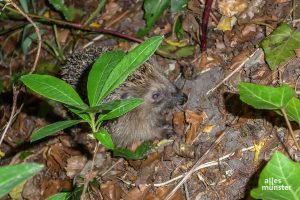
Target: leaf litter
[229,168]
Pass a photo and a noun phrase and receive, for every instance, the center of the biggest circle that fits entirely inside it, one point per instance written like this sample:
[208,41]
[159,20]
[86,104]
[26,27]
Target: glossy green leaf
[99,74]
[279,180]
[53,88]
[104,107]
[138,154]
[129,64]
[178,5]
[265,97]
[52,129]
[293,110]
[80,113]
[68,12]
[279,46]
[153,10]
[121,108]
[104,137]
[12,175]
[61,196]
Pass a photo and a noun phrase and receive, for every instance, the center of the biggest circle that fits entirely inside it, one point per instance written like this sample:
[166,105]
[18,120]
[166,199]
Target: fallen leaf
[194,120]
[111,190]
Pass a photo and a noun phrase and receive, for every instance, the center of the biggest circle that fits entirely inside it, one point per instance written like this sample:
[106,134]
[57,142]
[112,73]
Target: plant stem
[205,18]
[290,127]
[78,26]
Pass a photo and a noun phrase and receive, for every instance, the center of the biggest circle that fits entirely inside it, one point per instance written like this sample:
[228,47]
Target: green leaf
[130,63]
[12,175]
[104,107]
[28,39]
[178,5]
[52,129]
[61,196]
[99,73]
[293,110]
[153,10]
[279,179]
[53,88]
[121,108]
[280,45]
[138,154]
[178,29]
[104,137]
[24,4]
[265,97]
[80,112]
[185,52]
[68,12]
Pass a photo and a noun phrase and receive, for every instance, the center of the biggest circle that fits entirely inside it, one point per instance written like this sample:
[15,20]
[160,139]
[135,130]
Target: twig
[90,175]
[189,173]
[80,26]
[12,114]
[37,31]
[290,128]
[231,74]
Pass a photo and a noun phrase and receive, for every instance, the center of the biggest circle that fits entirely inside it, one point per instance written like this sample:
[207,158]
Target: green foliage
[100,73]
[185,52]
[153,10]
[279,46]
[178,5]
[53,88]
[68,12]
[52,128]
[103,136]
[28,39]
[178,29]
[130,63]
[123,107]
[112,68]
[293,110]
[136,155]
[12,175]
[61,196]
[266,97]
[279,179]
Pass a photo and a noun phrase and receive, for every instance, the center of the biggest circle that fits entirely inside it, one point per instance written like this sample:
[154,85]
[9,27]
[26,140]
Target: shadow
[253,181]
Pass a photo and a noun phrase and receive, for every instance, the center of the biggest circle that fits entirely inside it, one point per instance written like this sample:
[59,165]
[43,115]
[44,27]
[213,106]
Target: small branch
[231,74]
[37,31]
[290,128]
[90,175]
[79,26]
[189,173]
[12,114]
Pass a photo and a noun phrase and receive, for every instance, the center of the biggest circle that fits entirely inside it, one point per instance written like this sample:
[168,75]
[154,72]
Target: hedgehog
[148,82]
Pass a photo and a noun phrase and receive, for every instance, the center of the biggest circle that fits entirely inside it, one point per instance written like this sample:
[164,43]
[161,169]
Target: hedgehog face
[162,96]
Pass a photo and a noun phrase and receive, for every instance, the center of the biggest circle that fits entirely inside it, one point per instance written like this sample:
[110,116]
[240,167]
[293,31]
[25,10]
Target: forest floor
[249,136]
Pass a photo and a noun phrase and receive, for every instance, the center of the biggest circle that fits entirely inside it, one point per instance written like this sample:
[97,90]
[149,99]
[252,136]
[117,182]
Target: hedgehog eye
[156,96]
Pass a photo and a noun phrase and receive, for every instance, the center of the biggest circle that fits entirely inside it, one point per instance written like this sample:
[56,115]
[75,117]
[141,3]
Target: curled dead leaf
[184,150]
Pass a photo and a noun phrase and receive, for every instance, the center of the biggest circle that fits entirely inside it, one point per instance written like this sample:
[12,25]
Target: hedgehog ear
[126,95]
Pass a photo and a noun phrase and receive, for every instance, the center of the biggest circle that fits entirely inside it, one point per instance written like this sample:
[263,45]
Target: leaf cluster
[279,179]
[271,98]
[107,73]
